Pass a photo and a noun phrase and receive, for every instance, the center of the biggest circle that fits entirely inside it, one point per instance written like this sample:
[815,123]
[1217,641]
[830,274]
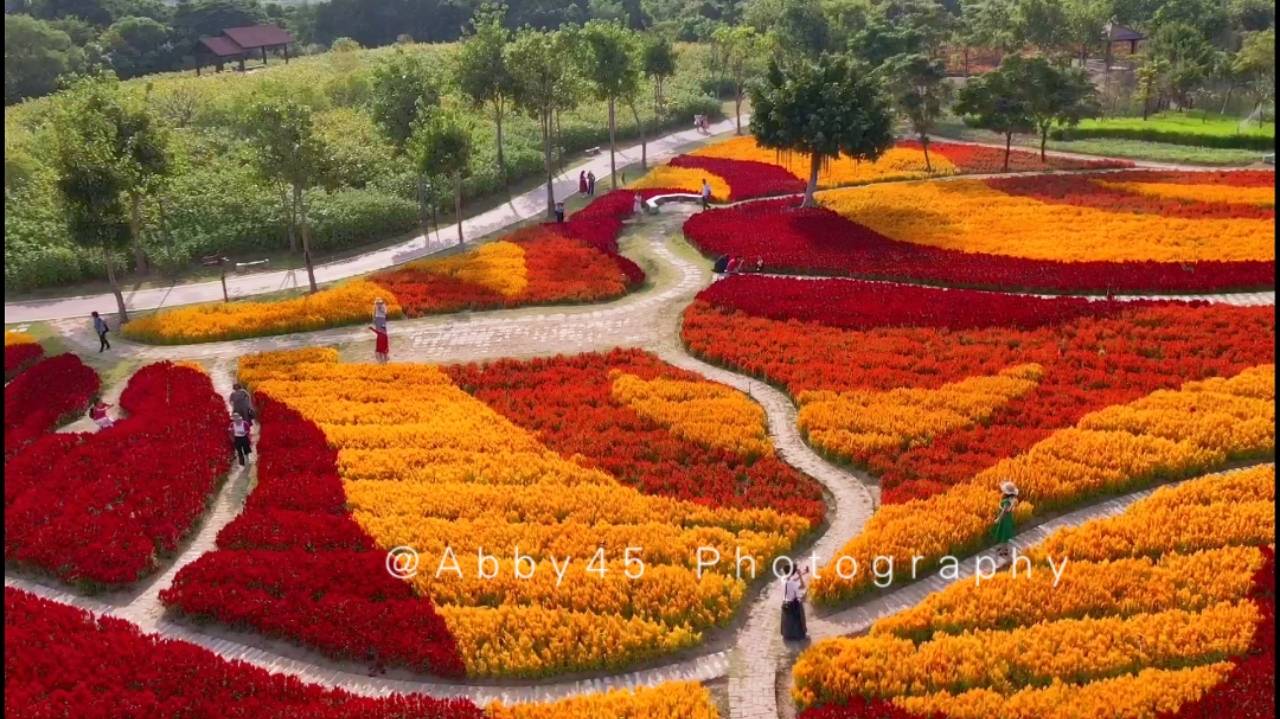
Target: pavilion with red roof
[235,44]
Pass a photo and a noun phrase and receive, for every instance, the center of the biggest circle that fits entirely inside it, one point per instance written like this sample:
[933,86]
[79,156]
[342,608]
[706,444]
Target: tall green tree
[441,147]
[403,88]
[614,73]
[995,102]
[544,69]
[920,91]
[482,72]
[288,151]
[1256,63]
[825,109]
[146,166]
[740,51]
[36,56]
[138,46]
[797,29]
[901,27]
[1054,96]
[91,176]
[1150,80]
[657,62]
[1189,55]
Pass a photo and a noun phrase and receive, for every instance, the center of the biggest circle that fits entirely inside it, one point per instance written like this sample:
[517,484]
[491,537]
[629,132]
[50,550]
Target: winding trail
[750,655]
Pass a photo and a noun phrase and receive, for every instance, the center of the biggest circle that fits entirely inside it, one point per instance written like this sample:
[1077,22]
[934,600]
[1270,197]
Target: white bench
[653,203]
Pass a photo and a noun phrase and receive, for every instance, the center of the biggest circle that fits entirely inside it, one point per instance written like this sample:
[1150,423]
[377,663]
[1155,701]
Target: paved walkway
[522,207]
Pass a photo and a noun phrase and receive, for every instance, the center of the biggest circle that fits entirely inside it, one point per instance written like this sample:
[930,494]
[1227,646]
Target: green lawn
[1203,129]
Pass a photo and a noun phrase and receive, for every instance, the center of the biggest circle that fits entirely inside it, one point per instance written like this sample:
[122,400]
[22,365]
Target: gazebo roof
[256,36]
[1123,33]
[222,46]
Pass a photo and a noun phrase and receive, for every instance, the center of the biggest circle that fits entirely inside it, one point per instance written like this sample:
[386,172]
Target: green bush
[1172,137]
[349,218]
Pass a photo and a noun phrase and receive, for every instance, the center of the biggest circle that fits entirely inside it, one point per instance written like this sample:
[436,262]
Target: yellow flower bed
[971,216]
[1004,661]
[1215,511]
[1167,433]
[344,304]
[688,179]
[18,338]
[427,465]
[674,700]
[898,163]
[1152,630]
[1122,587]
[499,266]
[710,414]
[854,423]
[1265,196]
[1132,696]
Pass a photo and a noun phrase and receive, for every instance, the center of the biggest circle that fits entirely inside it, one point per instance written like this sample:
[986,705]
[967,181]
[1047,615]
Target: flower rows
[53,391]
[577,261]
[874,340]
[21,350]
[1125,635]
[1188,195]
[685,179]
[102,507]
[1165,434]
[1002,234]
[63,661]
[411,459]
[711,415]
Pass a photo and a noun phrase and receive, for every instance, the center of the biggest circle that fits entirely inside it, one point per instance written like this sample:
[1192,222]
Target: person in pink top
[239,431]
[98,413]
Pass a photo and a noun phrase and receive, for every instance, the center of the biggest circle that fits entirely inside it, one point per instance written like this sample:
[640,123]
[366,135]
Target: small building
[1122,35]
[236,44]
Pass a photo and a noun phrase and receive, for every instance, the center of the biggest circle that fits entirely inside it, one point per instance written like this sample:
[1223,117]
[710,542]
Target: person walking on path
[706,194]
[98,413]
[591,184]
[559,213]
[582,182]
[241,402]
[381,345]
[240,437]
[380,313]
[100,326]
[1004,530]
[637,205]
[794,626]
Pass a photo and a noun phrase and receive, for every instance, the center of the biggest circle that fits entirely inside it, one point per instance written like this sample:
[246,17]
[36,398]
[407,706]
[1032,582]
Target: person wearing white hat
[1003,530]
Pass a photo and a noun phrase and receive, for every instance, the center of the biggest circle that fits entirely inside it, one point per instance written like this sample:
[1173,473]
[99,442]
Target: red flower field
[53,391]
[102,507]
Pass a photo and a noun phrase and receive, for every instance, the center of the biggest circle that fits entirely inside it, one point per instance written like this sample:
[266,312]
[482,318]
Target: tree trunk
[164,221]
[644,149]
[1044,140]
[1008,149]
[966,61]
[457,205]
[815,166]
[737,108]
[424,216]
[1227,100]
[135,233]
[546,164]
[502,161]
[924,144]
[613,163]
[305,231]
[115,285]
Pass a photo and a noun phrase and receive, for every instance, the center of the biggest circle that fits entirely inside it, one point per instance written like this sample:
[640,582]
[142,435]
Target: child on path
[706,194]
[100,327]
[637,206]
[240,437]
[381,346]
[98,413]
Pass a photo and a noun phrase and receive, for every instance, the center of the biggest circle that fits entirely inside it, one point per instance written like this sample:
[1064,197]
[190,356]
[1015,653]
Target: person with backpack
[239,431]
[100,327]
[241,401]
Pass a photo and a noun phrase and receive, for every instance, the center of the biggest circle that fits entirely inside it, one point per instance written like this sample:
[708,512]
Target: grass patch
[1199,129]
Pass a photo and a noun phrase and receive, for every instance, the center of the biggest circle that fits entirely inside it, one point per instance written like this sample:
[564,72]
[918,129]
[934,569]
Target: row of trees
[841,106]
[114,158]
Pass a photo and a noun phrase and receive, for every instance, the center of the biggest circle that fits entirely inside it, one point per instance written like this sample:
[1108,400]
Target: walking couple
[587,183]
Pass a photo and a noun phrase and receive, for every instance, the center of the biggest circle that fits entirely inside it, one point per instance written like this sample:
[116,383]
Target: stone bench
[653,203]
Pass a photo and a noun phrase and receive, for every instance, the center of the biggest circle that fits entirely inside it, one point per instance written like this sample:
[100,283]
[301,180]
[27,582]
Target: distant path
[522,207]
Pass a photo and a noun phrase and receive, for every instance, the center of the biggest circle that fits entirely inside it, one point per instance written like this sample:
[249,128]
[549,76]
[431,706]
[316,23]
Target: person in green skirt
[1003,530]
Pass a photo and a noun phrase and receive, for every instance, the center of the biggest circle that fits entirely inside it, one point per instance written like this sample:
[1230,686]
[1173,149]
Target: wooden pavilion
[236,44]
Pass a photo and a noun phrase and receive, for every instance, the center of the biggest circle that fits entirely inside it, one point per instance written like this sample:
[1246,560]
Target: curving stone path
[649,319]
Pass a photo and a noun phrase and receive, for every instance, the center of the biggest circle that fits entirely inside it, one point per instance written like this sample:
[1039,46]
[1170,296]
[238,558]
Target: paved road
[519,208]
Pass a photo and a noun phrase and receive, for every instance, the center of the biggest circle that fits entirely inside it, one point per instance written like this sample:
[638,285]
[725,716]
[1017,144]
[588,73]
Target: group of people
[726,265]
[794,626]
[587,183]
